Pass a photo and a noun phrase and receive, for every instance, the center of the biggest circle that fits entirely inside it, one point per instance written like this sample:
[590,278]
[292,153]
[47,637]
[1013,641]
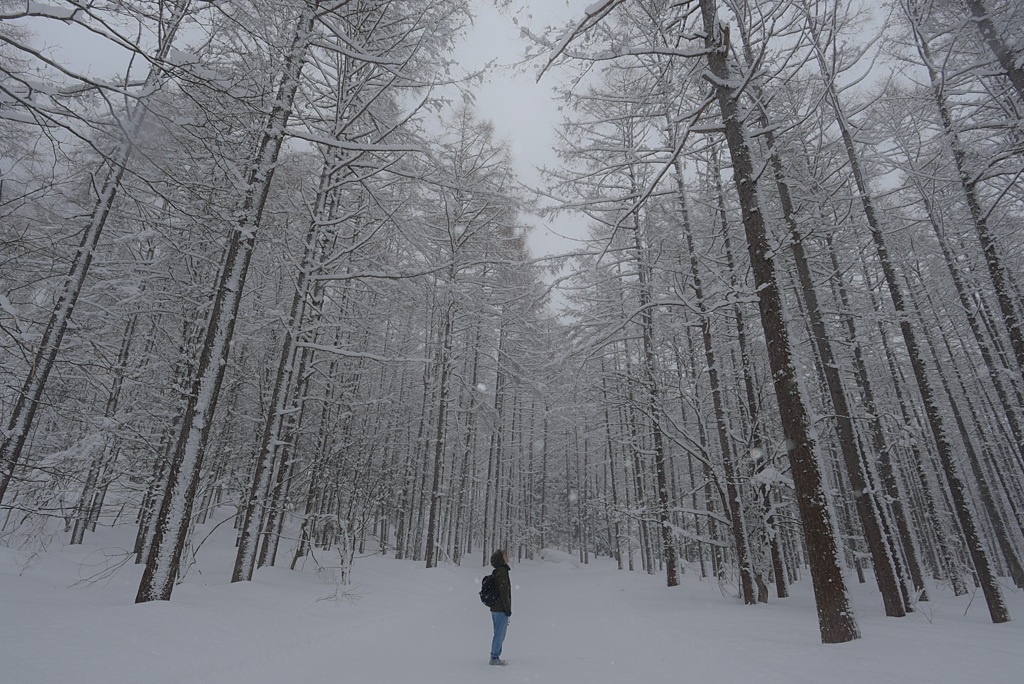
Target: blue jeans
[500,621]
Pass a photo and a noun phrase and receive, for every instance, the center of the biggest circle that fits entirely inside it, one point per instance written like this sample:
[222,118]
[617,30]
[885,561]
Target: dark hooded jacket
[504,604]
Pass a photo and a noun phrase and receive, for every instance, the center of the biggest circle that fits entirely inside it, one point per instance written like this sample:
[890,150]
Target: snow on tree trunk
[272,441]
[887,472]
[172,524]
[20,423]
[444,363]
[997,273]
[988,504]
[653,407]
[732,484]
[1012,63]
[993,595]
[919,464]
[835,616]
[855,460]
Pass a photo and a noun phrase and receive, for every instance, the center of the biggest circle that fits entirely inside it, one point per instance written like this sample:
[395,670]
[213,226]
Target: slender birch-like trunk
[21,421]
[99,462]
[653,401]
[463,536]
[734,503]
[492,487]
[444,361]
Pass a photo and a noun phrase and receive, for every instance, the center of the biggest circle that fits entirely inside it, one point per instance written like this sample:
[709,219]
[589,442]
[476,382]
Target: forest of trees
[277,274]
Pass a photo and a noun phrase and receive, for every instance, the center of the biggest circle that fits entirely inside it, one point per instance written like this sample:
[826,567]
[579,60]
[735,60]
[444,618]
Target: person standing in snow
[502,610]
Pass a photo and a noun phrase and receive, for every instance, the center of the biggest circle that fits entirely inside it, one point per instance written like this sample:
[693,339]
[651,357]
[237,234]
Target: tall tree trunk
[99,461]
[274,446]
[996,271]
[995,371]
[993,595]
[855,461]
[463,525]
[919,465]
[1006,57]
[734,501]
[492,489]
[702,437]
[835,617]
[889,481]
[988,504]
[636,448]
[654,409]
[27,401]
[773,540]
[444,361]
[617,533]
[172,524]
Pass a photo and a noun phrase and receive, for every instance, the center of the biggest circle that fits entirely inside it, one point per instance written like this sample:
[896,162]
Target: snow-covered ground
[398,622]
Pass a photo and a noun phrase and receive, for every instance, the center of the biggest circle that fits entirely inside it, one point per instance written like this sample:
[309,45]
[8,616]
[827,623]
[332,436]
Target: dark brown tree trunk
[996,271]
[1006,57]
[835,617]
[919,465]
[997,608]
[993,595]
[854,460]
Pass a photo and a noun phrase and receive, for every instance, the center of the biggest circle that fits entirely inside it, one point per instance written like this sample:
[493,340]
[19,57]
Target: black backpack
[489,591]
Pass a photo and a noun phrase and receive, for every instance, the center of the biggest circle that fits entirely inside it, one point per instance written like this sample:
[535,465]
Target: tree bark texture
[835,616]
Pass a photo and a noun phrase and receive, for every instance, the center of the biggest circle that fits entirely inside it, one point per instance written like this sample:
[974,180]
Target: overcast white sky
[523,111]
